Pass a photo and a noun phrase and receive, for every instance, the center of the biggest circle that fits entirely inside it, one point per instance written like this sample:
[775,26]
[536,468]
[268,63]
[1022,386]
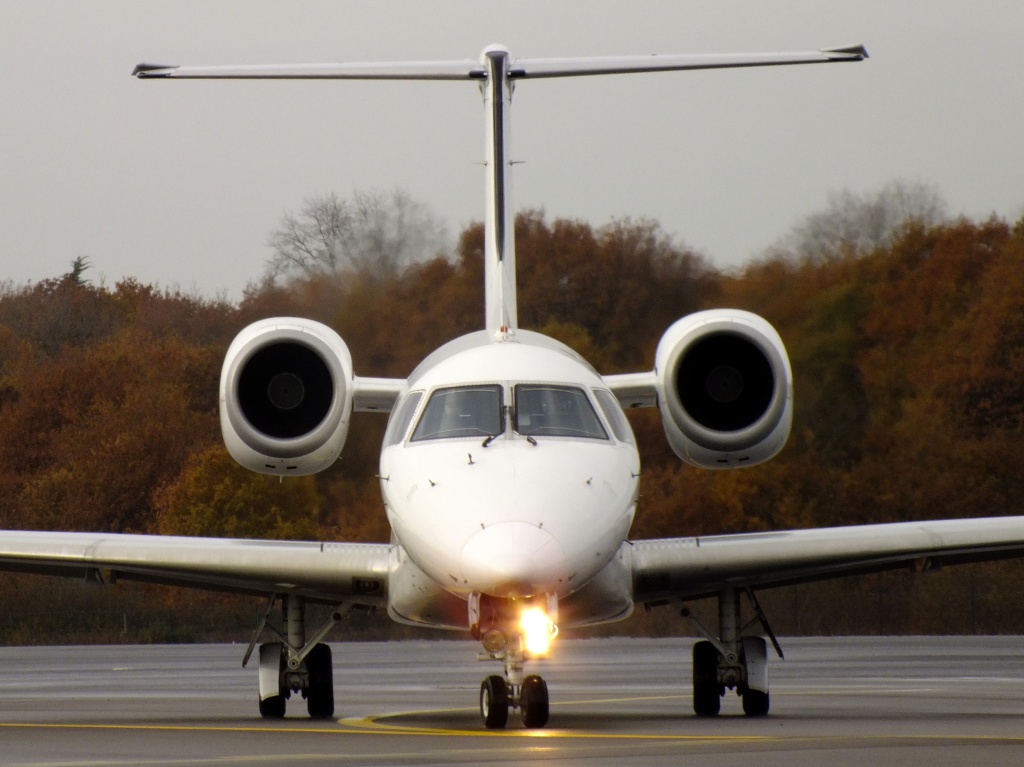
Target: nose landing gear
[498,624]
[499,694]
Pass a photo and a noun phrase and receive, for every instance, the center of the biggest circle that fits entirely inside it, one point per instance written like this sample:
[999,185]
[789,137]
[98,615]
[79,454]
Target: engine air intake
[725,382]
[285,390]
[286,396]
[725,388]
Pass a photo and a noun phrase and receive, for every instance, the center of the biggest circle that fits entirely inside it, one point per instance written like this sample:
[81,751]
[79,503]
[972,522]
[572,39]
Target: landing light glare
[538,631]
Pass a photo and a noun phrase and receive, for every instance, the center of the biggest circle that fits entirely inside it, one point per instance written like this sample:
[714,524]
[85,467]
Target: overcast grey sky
[180,183]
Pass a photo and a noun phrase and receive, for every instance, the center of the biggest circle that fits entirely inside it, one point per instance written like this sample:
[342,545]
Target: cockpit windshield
[555,411]
[462,411]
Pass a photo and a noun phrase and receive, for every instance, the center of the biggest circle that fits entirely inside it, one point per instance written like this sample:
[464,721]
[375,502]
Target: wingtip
[153,70]
[856,52]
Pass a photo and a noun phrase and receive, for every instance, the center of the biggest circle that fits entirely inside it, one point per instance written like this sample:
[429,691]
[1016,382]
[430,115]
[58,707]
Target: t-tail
[497,72]
[499,224]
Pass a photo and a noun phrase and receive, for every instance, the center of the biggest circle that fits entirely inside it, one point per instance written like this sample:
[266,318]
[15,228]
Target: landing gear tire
[755,703]
[707,692]
[273,707]
[755,665]
[494,702]
[533,702]
[320,691]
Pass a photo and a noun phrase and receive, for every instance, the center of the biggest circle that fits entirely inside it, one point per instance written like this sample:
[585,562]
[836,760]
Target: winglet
[856,52]
[153,70]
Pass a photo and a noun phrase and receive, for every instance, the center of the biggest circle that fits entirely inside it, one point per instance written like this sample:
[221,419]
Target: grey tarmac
[847,701]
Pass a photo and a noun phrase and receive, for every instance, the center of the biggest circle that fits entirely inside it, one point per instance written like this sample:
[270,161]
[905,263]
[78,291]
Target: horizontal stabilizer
[412,70]
[153,70]
[856,52]
[467,69]
[536,68]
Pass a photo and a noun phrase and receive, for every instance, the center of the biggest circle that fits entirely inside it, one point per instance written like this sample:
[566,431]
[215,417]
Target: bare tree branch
[852,224]
[375,231]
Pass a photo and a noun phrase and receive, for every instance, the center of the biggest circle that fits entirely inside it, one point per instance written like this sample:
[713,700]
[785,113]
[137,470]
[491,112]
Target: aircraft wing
[689,568]
[324,572]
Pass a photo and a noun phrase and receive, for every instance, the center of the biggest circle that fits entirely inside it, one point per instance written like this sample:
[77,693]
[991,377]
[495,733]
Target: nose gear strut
[495,622]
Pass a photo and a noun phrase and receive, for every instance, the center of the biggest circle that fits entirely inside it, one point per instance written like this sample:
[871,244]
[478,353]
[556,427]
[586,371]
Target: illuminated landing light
[538,631]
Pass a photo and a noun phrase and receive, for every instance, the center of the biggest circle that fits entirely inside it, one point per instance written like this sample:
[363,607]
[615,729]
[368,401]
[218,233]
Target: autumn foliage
[908,363]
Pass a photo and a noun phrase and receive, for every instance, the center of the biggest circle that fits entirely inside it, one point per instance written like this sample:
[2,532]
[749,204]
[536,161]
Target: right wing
[691,568]
[325,572]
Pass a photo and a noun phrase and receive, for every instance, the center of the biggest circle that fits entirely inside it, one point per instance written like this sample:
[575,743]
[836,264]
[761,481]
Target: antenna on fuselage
[497,71]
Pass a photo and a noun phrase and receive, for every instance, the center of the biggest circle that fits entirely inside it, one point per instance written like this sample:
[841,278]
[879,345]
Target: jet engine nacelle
[286,396]
[725,389]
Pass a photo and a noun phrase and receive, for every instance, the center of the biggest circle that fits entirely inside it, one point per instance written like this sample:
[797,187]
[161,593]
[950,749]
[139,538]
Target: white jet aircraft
[508,469]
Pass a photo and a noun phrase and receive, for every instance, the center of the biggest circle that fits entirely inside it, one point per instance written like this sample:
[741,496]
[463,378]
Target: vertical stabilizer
[499,231]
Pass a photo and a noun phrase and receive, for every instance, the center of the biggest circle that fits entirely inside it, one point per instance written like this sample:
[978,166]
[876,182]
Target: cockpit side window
[613,414]
[556,411]
[399,422]
[462,411]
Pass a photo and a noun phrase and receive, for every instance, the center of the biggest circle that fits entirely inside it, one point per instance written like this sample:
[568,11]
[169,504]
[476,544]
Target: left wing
[690,568]
[325,572]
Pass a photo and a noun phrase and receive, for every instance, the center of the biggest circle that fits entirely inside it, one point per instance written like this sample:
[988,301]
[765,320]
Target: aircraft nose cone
[513,559]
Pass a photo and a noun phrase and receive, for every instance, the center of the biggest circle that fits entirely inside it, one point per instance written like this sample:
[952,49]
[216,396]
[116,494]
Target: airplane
[508,471]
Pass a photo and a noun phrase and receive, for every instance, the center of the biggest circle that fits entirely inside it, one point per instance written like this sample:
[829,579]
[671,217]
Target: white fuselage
[536,511]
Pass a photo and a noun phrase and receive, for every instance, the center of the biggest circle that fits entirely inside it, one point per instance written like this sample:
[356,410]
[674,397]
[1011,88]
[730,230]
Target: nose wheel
[494,702]
[533,702]
[497,697]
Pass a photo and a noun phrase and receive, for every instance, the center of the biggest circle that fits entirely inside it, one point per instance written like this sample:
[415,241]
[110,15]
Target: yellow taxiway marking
[370,726]
[170,727]
[376,724]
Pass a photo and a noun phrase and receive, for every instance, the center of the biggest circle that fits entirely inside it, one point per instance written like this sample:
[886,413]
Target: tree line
[907,350]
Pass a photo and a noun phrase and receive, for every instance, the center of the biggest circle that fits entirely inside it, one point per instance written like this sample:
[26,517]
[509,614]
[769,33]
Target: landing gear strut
[730,660]
[296,664]
[496,623]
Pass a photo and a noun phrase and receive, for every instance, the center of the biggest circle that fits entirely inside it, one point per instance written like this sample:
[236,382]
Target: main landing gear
[295,664]
[730,660]
[496,624]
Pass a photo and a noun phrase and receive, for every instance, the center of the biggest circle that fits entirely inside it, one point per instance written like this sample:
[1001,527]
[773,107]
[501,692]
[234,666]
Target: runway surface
[860,701]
